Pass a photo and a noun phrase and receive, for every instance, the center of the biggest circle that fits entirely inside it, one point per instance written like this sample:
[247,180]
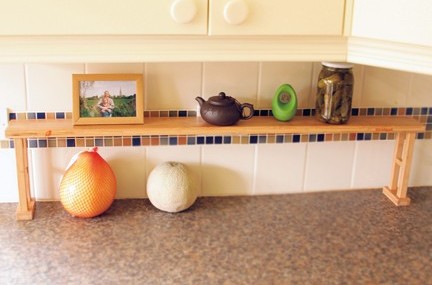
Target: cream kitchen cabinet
[276,17]
[172,30]
[172,17]
[392,34]
[103,17]
[403,21]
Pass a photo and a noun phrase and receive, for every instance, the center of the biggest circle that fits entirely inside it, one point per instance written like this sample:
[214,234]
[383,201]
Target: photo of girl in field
[108,98]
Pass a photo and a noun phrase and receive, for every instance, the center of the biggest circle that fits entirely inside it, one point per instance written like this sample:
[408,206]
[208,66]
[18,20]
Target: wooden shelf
[404,127]
[197,126]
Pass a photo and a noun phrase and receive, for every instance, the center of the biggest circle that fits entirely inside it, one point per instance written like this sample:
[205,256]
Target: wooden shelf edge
[28,214]
[197,126]
[398,201]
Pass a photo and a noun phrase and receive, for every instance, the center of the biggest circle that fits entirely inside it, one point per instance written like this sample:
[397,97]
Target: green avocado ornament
[284,103]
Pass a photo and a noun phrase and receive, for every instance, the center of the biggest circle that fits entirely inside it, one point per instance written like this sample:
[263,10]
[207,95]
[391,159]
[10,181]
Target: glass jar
[334,92]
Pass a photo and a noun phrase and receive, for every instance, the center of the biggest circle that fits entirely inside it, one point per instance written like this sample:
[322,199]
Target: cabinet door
[406,21]
[276,17]
[103,17]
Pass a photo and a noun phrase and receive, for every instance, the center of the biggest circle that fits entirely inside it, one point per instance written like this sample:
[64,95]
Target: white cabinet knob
[236,12]
[183,11]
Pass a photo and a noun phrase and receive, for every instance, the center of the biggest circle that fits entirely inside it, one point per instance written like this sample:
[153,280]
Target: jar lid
[345,65]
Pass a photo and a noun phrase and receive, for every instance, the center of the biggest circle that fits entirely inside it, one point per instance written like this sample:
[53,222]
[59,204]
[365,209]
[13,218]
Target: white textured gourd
[170,187]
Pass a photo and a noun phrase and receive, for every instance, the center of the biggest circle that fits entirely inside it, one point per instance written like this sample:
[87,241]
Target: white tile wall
[172,85]
[373,161]
[221,169]
[49,86]
[274,74]
[421,169]
[12,86]
[8,175]
[385,88]
[329,166]
[239,80]
[280,168]
[114,68]
[129,166]
[48,166]
[358,72]
[4,121]
[421,91]
[316,69]
[227,170]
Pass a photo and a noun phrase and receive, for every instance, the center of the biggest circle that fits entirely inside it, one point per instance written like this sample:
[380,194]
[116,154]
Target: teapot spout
[200,100]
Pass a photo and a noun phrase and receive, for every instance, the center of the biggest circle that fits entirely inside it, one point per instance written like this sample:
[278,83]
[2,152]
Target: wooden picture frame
[107,99]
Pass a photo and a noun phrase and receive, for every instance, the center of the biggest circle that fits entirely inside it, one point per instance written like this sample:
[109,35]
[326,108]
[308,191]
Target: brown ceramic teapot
[223,110]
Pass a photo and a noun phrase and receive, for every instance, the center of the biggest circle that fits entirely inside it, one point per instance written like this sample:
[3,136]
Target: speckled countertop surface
[346,237]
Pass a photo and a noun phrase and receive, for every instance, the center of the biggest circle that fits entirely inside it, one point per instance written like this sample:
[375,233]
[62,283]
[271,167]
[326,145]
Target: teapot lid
[221,100]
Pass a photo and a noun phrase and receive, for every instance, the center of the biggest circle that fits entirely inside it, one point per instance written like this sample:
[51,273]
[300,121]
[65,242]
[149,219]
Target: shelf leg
[398,188]
[26,205]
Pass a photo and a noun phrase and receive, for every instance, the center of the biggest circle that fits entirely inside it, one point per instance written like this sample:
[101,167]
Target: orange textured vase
[88,186]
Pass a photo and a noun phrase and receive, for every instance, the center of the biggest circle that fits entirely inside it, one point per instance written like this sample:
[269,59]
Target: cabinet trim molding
[90,49]
[406,57]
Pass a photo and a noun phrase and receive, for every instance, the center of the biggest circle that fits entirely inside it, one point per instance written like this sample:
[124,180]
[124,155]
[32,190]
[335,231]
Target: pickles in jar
[334,93]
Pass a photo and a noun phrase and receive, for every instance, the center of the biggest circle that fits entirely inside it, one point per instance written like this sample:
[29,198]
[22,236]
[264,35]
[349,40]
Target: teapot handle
[251,111]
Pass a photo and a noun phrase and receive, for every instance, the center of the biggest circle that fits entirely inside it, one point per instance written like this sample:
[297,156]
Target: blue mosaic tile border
[423,114]
[409,111]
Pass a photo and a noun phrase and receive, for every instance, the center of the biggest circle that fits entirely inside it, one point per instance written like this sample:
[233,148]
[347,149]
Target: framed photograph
[107,99]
